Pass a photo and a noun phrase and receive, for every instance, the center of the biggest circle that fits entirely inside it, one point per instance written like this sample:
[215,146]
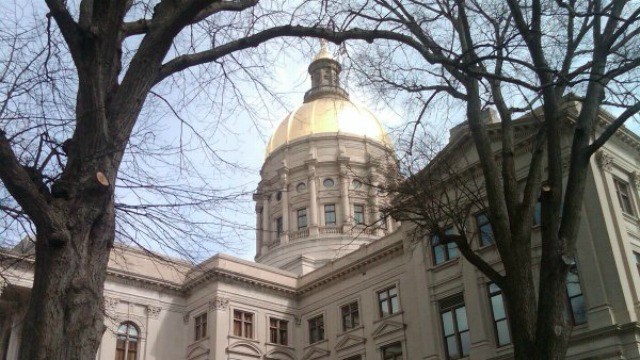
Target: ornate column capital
[605,160]
[635,178]
[111,303]
[153,312]
[218,303]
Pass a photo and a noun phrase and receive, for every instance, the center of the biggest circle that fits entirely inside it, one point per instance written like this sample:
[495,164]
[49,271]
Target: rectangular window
[485,232]
[279,227]
[302,219]
[443,252]
[624,196]
[388,302]
[455,328]
[358,214]
[392,352]
[499,314]
[383,221]
[243,324]
[330,214]
[316,329]
[350,316]
[201,326]
[278,331]
[575,298]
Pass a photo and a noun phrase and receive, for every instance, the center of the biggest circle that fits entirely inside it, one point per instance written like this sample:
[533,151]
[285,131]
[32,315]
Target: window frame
[480,225]
[347,319]
[279,226]
[358,216]
[334,222]
[571,311]
[386,347]
[278,331]
[302,219]
[624,195]
[453,304]
[243,322]
[450,250]
[388,301]
[128,340]
[492,294]
[200,327]
[314,324]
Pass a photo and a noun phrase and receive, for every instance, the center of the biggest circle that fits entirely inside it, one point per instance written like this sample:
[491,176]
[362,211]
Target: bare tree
[74,130]
[514,56]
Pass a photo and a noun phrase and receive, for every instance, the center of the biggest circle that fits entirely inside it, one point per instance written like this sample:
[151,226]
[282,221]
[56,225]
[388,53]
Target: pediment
[387,327]
[280,354]
[315,353]
[349,341]
[198,353]
[245,348]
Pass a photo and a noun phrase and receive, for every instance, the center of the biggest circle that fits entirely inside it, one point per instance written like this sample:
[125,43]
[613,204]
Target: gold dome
[328,115]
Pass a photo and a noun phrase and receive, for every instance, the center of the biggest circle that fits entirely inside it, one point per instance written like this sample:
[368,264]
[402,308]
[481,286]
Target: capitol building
[335,279]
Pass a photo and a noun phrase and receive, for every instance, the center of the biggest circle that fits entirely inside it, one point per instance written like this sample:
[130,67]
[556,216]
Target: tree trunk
[65,315]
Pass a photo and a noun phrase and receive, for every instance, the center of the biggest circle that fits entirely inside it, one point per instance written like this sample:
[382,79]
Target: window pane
[461,317]
[447,323]
[573,285]
[579,311]
[453,250]
[438,254]
[133,333]
[465,341]
[502,327]
[452,347]
[498,307]
[393,291]
[395,306]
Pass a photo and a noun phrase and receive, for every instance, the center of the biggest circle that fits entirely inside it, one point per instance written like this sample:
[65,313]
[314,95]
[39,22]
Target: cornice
[219,274]
[394,249]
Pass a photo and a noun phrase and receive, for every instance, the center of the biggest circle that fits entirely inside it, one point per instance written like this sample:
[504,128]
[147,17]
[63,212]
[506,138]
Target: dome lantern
[325,80]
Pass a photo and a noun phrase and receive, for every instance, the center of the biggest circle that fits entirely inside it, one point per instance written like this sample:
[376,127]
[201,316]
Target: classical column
[266,225]
[259,226]
[284,199]
[344,198]
[313,200]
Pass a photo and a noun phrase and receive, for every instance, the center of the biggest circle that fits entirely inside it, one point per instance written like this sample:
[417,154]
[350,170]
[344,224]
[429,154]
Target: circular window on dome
[301,187]
[356,184]
[279,195]
[328,183]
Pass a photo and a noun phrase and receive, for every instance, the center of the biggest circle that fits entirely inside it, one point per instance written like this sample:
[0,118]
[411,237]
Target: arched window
[127,343]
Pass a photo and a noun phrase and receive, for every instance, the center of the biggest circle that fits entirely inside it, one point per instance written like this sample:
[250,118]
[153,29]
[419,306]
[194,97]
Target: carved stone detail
[604,160]
[186,316]
[153,312]
[111,303]
[635,178]
[218,303]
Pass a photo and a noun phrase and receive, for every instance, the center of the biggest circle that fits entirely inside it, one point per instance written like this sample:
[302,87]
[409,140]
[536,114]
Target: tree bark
[65,315]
